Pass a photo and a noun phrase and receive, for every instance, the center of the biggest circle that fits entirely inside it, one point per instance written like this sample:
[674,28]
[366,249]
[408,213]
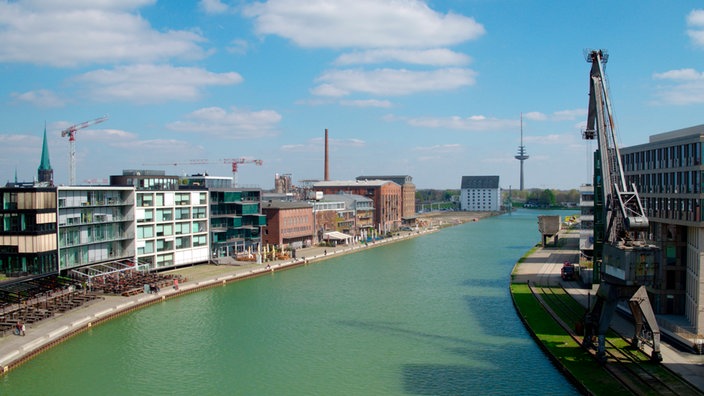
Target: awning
[338,236]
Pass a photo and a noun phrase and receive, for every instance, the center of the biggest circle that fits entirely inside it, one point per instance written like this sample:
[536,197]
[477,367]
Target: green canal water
[427,316]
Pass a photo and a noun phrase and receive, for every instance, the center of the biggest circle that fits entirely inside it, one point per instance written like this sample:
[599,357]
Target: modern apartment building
[28,234]
[171,225]
[480,194]
[669,175]
[236,221]
[95,225]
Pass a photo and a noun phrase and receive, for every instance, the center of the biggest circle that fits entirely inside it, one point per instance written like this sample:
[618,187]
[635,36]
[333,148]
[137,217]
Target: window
[199,213]
[183,242]
[183,228]
[160,199]
[164,214]
[163,245]
[145,232]
[183,213]
[148,248]
[199,240]
[164,229]
[145,200]
[183,199]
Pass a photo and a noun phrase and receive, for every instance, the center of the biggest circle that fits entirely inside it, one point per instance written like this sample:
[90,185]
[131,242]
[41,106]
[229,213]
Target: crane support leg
[609,296]
[641,309]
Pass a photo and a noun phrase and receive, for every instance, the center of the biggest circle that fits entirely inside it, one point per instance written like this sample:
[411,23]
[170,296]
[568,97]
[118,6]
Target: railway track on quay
[626,363]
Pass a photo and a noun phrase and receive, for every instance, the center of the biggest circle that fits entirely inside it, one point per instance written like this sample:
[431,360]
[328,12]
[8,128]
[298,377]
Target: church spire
[45,174]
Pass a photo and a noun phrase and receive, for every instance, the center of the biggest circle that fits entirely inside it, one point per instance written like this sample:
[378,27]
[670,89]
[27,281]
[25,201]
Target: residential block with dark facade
[669,176]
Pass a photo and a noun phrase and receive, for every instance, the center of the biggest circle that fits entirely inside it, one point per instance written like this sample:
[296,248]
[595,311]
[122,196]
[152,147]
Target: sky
[431,89]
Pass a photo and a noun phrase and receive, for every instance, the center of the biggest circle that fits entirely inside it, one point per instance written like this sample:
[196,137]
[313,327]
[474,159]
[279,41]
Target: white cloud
[440,148]
[317,144]
[680,75]
[213,6]
[392,81]
[60,33]
[695,20]
[547,139]
[568,115]
[40,98]
[233,124]
[366,103]
[152,83]
[431,57]
[362,23]
[535,116]
[687,87]
[477,123]
[110,135]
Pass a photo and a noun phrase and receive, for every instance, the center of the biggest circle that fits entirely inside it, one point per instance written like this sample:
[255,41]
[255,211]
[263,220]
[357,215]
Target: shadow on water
[490,283]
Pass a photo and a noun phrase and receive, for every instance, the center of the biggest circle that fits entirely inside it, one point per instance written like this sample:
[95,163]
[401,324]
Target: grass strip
[569,356]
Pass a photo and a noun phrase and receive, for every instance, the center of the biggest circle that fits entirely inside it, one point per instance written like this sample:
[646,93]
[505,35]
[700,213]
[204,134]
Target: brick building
[288,223]
[386,195]
[408,193]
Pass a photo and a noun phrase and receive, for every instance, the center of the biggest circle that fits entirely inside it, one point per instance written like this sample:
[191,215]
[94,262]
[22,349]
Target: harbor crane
[623,260]
[71,133]
[235,162]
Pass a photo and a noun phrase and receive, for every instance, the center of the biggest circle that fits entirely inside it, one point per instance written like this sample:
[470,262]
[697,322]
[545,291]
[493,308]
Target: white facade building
[480,194]
[172,228]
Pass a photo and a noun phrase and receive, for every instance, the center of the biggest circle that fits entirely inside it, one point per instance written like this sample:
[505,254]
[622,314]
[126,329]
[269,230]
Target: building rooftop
[352,183]
[398,179]
[480,182]
[678,133]
[285,205]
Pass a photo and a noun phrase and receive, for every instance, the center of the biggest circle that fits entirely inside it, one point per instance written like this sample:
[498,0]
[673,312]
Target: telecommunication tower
[521,156]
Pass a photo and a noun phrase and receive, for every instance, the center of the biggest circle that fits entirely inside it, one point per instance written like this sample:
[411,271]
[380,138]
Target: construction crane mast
[233,161]
[623,260]
[71,133]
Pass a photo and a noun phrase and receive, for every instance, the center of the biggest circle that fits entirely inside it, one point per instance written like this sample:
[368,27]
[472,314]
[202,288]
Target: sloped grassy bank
[568,356]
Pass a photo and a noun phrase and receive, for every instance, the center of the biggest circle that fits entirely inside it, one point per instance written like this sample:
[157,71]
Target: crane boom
[622,259]
[71,133]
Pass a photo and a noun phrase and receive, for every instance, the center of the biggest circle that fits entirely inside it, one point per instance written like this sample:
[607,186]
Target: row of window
[169,214]
[676,156]
[149,231]
[683,182]
[165,245]
[162,199]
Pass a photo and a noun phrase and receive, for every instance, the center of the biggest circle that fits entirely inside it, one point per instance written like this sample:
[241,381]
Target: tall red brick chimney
[327,159]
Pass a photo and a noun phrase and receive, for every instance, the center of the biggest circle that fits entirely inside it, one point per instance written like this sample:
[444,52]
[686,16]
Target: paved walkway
[543,267]
[48,332]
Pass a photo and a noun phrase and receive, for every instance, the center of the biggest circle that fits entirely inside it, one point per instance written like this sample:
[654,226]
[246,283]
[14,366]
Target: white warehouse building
[480,194]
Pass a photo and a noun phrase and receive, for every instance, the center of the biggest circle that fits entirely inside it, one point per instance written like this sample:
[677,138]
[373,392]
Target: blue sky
[430,89]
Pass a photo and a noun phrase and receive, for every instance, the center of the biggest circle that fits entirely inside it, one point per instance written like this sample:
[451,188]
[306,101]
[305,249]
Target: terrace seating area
[131,282]
[124,277]
[34,299]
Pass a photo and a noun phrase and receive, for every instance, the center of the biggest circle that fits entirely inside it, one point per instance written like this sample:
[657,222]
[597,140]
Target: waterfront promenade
[46,333]
[543,266]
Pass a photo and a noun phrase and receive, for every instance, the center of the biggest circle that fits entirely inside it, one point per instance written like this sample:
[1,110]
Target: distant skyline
[430,89]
